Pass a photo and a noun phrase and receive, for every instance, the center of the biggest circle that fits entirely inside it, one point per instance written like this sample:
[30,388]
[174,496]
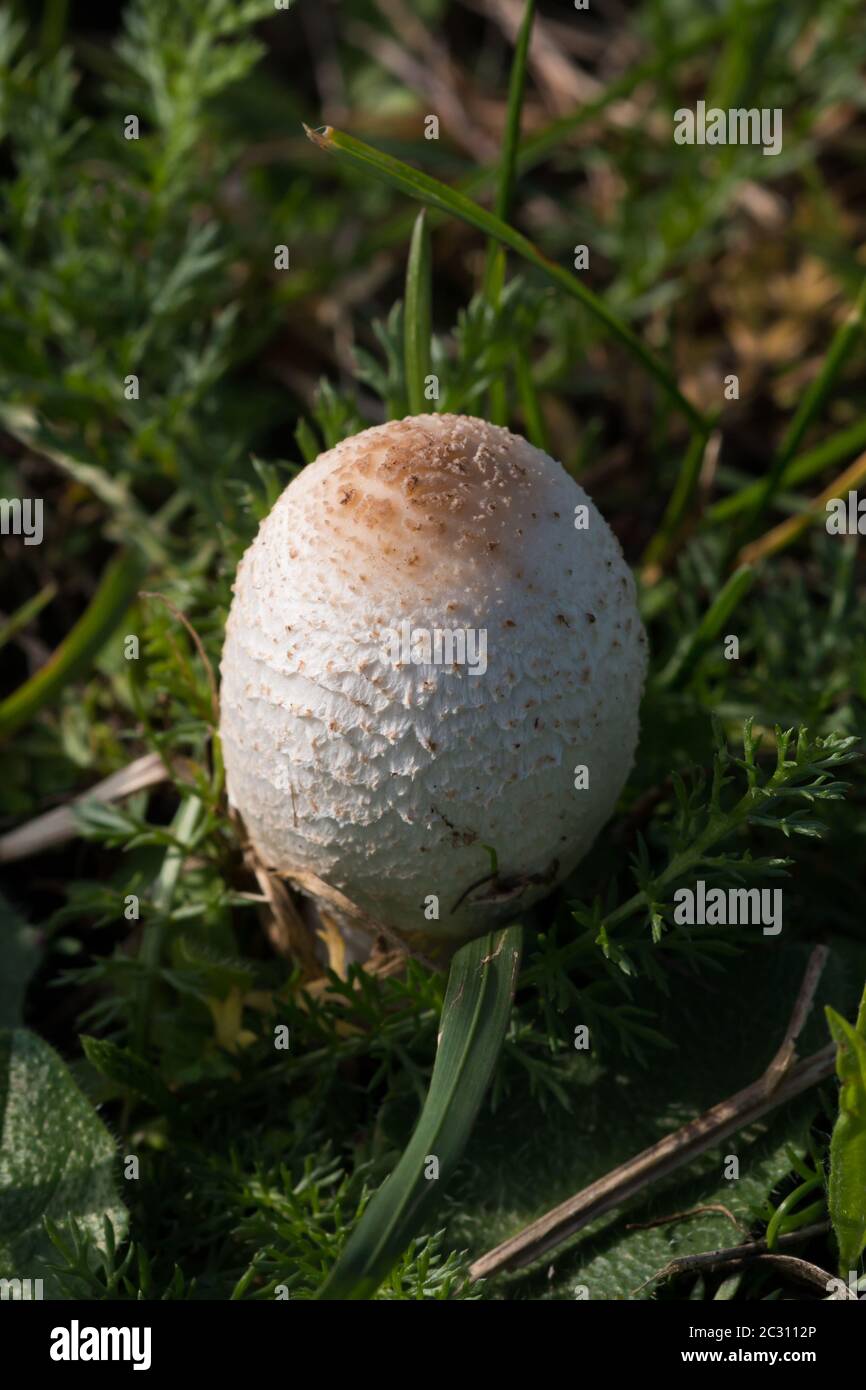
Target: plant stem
[494,273]
[24,615]
[533,418]
[787,531]
[183,829]
[687,481]
[695,643]
[417,326]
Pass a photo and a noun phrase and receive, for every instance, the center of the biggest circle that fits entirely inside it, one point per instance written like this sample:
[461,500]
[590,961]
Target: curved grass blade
[185,827]
[417,319]
[778,1222]
[494,270]
[439,195]
[474,1019]
[812,402]
[24,615]
[847,1191]
[845,444]
[677,507]
[695,643]
[789,530]
[511,140]
[108,605]
[529,403]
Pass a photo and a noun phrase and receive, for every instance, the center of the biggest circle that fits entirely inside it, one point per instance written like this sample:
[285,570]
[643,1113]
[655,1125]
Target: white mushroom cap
[385,780]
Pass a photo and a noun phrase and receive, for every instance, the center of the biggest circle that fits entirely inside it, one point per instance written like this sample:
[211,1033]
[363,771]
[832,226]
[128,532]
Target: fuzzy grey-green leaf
[57,1159]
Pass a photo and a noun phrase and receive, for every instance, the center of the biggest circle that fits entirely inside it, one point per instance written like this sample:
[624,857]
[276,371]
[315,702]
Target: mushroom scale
[362,748]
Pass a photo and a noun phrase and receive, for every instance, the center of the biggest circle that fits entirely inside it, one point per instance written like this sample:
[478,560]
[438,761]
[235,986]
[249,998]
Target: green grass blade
[74,655]
[847,1189]
[510,146]
[494,283]
[529,404]
[474,1019]
[548,140]
[832,451]
[497,409]
[185,828]
[494,272]
[417,324]
[778,1222]
[516,87]
[449,200]
[53,28]
[695,643]
[24,615]
[684,488]
[812,402]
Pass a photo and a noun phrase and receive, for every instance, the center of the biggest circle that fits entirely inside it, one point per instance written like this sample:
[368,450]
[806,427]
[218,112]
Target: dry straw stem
[836,449]
[772,1089]
[671,1153]
[708,1207]
[347,914]
[813,401]
[56,827]
[751,1253]
[284,926]
[788,531]
[786,1054]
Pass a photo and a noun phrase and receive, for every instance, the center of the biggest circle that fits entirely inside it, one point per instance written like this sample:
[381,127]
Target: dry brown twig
[782,1081]
[787,1052]
[55,827]
[284,926]
[687,1216]
[750,1253]
[787,531]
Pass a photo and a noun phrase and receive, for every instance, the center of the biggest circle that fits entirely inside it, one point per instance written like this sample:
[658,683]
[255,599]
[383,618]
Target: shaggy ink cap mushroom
[359,751]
